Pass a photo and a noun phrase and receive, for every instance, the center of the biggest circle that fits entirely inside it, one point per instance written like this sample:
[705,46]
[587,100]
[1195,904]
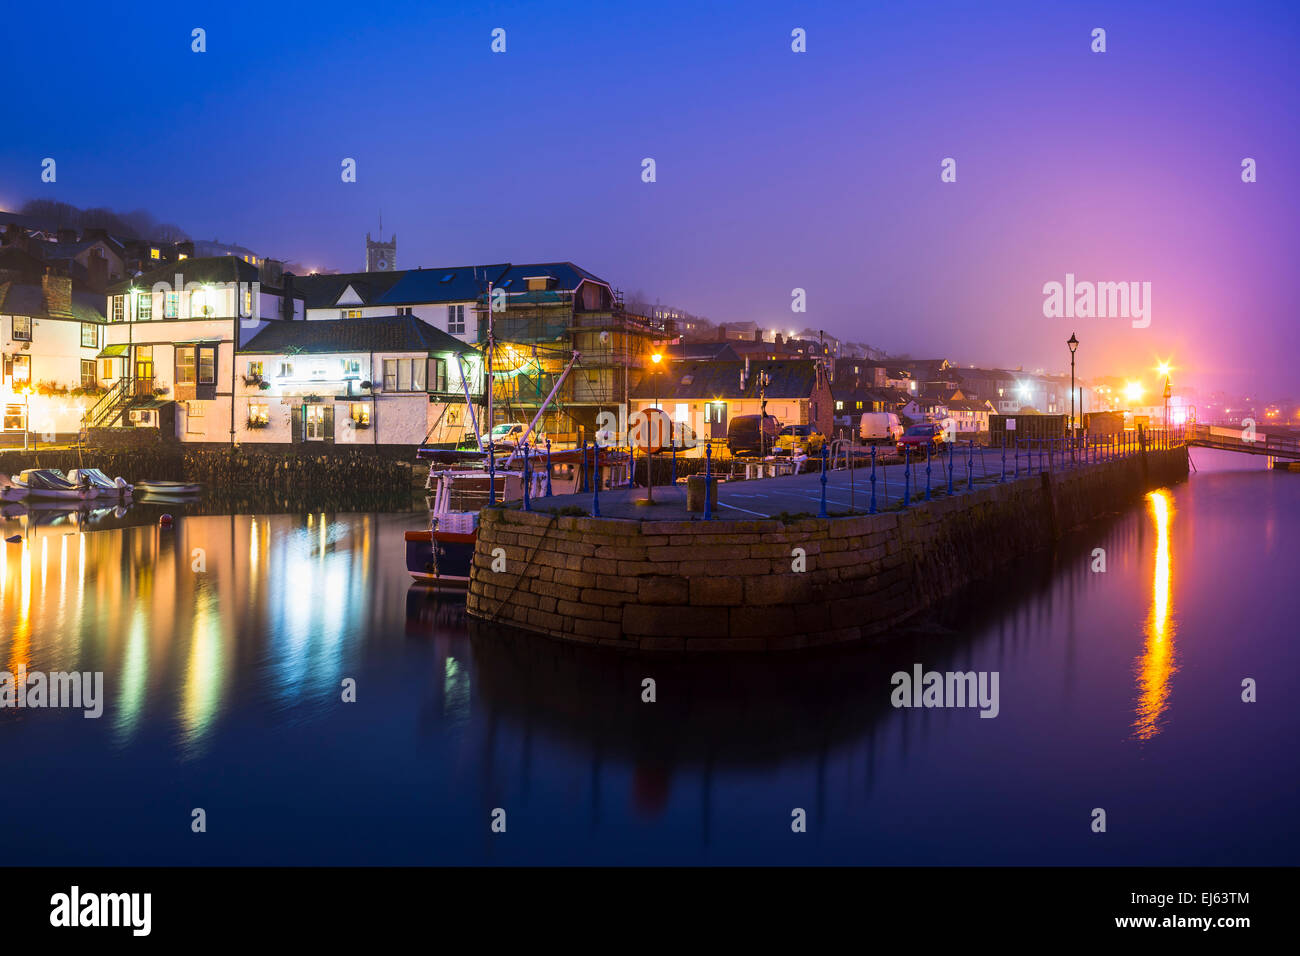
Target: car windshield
[921,430]
[795,430]
[505,428]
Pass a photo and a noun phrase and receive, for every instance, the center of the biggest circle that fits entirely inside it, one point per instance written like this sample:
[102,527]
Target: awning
[151,403]
[113,351]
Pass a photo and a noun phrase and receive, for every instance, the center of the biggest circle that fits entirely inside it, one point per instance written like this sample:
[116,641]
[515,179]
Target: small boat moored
[99,483]
[42,483]
[174,489]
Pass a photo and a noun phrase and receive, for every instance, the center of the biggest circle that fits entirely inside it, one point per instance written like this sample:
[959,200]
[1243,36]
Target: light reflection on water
[225,641]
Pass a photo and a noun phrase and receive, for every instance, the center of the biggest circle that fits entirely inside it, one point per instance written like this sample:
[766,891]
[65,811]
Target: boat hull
[441,559]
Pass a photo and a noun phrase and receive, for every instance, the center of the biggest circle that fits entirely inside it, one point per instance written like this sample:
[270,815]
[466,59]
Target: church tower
[381,256]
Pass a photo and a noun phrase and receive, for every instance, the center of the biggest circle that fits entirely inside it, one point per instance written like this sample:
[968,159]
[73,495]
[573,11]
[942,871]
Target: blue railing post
[927,471]
[528,478]
[548,468]
[822,513]
[1040,456]
[1015,452]
[674,461]
[907,475]
[708,479]
[950,447]
[970,465]
[873,479]
[582,465]
[1004,458]
[492,473]
[595,476]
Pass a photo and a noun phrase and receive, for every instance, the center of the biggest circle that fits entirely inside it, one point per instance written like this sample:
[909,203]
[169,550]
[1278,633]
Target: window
[350,368]
[22,369]
[314,423]
[201,303]
[361,413]
[404,310]
[155,254]
[194,414]
[171,305]
[350,314]
[88,379]
[248,302]
[255,370]
[207,366]
[22,328]
[89,335]
[259,413]
[13,418]
[144,307]
[106,372]
[185,365]
[437,375]
[404,375]
[839,406]
[285,370]
[456,319]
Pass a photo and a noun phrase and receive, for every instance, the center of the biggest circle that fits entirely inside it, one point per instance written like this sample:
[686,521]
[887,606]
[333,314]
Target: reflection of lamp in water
[1156,665]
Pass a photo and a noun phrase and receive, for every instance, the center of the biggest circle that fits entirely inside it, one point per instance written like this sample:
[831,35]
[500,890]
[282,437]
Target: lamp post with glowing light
[1073,343]
[656,359]
[1163,369]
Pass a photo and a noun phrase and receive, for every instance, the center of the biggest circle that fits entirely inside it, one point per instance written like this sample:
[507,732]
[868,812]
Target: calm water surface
[225,640]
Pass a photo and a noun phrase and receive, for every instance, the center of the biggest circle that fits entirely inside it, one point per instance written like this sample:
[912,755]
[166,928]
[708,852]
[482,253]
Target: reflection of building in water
[1156,665]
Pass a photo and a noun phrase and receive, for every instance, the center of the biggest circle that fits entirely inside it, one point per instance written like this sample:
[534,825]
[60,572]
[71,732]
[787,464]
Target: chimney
[66,234]
[286,302]
[58,293]
[97,273]
[272,273]
[758,335]
[722,333]
[778,340]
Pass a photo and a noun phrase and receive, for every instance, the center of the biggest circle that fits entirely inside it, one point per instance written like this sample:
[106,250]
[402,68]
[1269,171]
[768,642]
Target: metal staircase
[110,408]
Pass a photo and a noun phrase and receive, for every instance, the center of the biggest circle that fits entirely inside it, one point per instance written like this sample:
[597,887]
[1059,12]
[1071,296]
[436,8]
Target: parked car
[917,437]
[800,439]
[507,435]
[744,438]
[880,428]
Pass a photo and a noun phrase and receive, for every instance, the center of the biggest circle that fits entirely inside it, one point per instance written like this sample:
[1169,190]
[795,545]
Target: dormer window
[538,283]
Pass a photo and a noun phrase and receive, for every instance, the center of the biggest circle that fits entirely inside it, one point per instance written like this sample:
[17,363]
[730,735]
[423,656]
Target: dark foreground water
[225,641]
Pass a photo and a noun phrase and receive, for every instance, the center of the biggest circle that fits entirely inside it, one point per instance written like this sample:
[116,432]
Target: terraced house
[50,336]
[170,341]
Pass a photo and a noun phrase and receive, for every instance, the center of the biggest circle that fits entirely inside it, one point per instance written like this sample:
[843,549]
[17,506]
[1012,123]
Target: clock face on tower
[381,264]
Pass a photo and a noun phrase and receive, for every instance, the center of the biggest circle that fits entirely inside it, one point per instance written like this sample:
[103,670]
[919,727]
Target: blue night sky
[775,170]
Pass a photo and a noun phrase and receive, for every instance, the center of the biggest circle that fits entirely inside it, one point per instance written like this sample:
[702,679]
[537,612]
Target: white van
[880,428]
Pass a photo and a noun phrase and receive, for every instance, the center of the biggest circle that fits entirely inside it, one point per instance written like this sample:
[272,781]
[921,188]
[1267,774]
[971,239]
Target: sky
[774,170]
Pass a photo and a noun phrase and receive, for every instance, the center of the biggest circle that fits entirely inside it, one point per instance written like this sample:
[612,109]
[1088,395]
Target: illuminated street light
[1133,392]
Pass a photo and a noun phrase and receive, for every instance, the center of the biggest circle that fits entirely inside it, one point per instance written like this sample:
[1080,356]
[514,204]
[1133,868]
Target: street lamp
[655,359]
[1163,369]
[1073,343]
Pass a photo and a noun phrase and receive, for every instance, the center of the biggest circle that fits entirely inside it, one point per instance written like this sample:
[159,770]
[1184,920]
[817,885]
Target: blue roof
[451,284]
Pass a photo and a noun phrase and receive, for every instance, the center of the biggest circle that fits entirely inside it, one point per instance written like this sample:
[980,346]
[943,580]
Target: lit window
[182,256]
[155,254]
[361,413]
[89,335]
[207,366]
[119,308]
[351,368]
[144,307]
[185,365]
[88,379]
[259,413]
[350,314]
[171,305]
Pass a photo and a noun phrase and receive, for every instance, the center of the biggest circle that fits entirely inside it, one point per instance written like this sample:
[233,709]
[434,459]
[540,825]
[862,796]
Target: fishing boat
[171,489]
[42,483]
[99,483]
[441,555]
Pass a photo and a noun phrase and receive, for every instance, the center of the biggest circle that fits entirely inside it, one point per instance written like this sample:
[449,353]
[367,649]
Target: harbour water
[225,643]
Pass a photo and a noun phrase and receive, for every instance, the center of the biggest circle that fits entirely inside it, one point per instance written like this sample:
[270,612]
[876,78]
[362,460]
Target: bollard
[822,513]
[970,466]
[873,479]
[950,448]
[528,478]
[907,475]
[548,468]
[927,471]
[708,479]
[595,477]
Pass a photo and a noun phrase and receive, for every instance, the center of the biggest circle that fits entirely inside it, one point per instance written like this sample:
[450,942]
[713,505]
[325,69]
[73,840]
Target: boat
[42,483]
[172,489]
[98,482]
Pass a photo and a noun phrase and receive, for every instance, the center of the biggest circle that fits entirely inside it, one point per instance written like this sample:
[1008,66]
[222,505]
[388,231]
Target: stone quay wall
[736,585]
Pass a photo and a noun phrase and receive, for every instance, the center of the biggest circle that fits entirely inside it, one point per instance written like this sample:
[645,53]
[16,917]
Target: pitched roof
[207,269]
[454,284]
[323,291]
[788,378]
[388,333]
